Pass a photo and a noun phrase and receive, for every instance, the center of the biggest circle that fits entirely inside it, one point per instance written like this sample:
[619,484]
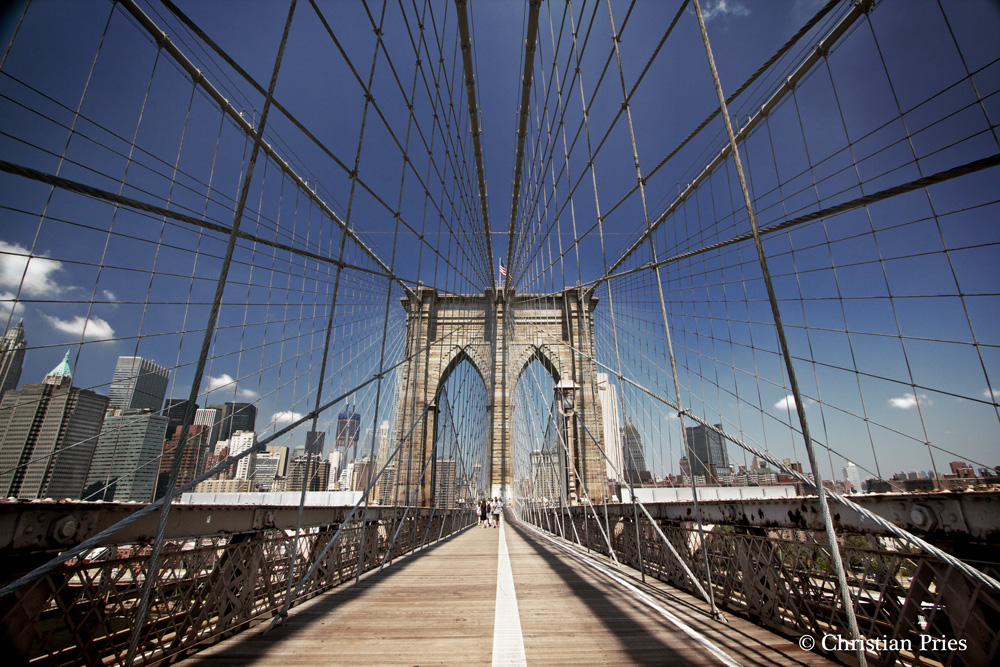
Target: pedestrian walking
[484,514]
[497,511]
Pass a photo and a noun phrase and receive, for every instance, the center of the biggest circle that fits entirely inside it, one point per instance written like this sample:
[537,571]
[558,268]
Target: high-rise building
[138,384]
[175,409]
[319,473]
[383,443]
[853,476]
[239,443]
[193,458]
[706,452]
[212,418]
[336,459]
[635,459]
[315,441]
[125,459]
[387,486]
[544,467]
[237,417]
[12,347]
[361,470]
[48,433]
[348,430]
[607,394]
[282,453]
[266,469]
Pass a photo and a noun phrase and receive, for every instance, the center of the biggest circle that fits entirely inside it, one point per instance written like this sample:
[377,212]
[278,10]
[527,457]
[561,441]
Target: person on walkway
[497,511]
[484,514]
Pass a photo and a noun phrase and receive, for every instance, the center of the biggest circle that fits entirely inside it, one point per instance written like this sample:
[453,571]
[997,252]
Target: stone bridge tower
[500,334]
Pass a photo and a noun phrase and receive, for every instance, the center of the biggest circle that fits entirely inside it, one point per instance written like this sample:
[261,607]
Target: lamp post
[565,391]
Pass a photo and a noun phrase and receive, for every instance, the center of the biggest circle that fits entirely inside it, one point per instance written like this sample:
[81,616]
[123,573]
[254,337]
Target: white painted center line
[508,643]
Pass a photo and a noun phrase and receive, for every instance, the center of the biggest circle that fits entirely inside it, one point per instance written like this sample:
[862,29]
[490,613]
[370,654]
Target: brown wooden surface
[437,608]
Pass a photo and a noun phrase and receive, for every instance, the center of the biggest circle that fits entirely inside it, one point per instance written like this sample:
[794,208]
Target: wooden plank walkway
[439,608]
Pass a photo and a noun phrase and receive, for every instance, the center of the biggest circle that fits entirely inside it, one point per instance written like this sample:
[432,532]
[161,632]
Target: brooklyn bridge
[562,332]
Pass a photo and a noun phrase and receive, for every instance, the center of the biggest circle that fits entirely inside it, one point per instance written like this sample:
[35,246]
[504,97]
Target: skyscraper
[544,468]
[853,476]
[212,418]
[607,394]
[239,443]
[635,459]
[174,409]
[383,443]
[193,458]
[319,473]
[12,347]
[138,384]
[705,452]
[236,417]
[348,429]
[314,442]
[48,432]
[125,459]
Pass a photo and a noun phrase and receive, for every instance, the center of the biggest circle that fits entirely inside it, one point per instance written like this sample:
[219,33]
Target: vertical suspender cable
[831,536]
[258,138]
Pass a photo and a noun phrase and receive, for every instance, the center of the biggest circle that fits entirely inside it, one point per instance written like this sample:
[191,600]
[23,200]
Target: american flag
[503,271]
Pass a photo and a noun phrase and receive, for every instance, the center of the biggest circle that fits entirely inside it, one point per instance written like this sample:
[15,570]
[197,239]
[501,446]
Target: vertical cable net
[300,224]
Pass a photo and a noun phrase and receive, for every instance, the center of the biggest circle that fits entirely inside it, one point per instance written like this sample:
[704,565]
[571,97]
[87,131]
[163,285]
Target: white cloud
[909,400]
[109,295]
[7,305]
[991,395]
[34,275]
[227,382]
[787,403]
[79,327]
[712,10]
[220,382]
[287,417]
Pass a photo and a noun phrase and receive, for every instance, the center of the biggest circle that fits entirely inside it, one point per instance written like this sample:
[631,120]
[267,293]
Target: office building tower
[362,472]
[239,443]
[367,446]
[607,394]
[319,473]
[383,443]
[193,458]
[635,459]
[282,453]
[174,409]
[706,452]
[138,384]
[212,418]
[348,430]
[544,470]
[126,457]
[387,486]
[237,417]
[853,476]
[48,433]
[315,441]
[265,470]
[336,459]
[12,347]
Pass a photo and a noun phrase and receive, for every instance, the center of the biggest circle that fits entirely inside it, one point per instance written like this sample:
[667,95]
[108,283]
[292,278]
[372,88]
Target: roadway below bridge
[504,596]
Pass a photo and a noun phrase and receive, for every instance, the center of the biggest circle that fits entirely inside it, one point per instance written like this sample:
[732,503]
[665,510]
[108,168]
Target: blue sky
[890,309]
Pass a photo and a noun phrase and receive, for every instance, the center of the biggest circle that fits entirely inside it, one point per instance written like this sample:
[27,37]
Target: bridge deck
[441,607]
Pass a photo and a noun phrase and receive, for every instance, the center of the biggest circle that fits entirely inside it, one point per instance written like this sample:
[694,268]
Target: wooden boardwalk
[440,608]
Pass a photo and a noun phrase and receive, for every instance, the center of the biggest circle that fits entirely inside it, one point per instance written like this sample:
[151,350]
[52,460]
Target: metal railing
[770,564]
[222,567]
